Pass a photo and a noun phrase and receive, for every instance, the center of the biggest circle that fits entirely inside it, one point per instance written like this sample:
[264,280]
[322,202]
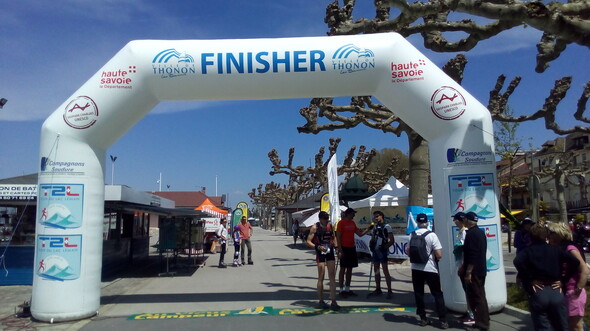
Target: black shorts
[349,258]
[325,257]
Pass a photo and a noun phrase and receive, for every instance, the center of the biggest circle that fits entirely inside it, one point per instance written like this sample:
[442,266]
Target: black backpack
[378,231]
[418,253]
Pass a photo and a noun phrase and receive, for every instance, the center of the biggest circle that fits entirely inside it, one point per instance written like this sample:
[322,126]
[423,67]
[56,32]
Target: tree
[508,144]
[561,23]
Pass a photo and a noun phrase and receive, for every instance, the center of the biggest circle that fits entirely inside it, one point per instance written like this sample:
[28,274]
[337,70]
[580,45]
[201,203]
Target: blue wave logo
[166,55]
[345,51]
[351,58]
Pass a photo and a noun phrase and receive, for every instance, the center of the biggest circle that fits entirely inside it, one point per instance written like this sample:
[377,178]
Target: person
[345,231]
[381,239]
[540,267]
[459,220]
[222,235]
[521,236]
[246,232]
[428,273]
[295,231]
[473,271]
[321,239]
[560,235]
[237,242]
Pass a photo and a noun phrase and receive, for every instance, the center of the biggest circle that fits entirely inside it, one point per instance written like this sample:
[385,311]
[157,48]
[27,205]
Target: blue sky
[51,48]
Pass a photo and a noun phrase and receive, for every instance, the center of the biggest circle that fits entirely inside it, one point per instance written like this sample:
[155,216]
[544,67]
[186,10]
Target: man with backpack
[381,239]
[425,251]
[321,239]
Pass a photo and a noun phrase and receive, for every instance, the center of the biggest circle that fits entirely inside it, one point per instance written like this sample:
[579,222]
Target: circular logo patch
[447,103]
[81,113]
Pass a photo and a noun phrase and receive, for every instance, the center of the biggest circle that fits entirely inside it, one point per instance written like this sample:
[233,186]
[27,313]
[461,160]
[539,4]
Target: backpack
[378,232]
[418,253]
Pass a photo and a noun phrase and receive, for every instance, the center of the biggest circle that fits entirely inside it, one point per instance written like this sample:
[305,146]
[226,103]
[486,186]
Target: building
[128,216]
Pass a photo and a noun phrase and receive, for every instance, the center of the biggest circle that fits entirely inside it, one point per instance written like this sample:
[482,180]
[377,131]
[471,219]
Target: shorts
[325,257]
[349,258]
[379,256]
[576,305]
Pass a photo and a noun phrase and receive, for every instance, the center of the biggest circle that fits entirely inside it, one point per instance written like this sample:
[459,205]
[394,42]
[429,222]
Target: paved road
[277,292]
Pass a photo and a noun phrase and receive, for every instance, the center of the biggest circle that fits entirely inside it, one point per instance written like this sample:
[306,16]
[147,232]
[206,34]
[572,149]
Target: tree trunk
[560,193]
[419,170]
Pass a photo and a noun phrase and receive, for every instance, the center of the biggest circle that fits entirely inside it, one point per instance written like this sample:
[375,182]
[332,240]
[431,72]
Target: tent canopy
[393,194]
[208,207]
[314,218]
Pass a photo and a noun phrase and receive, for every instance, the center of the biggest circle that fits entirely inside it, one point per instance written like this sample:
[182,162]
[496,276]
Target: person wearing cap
[473,271]
[345,231]
[427,273]
[522,237]
[321,239]
[459,220]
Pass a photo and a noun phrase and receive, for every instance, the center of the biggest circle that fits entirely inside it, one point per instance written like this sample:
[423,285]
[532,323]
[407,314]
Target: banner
[413,211]
[325,202]
[244,208]
[333,190]
[236,217]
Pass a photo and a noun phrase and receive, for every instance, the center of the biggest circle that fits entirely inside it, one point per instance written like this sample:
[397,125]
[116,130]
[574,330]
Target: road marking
[270,311]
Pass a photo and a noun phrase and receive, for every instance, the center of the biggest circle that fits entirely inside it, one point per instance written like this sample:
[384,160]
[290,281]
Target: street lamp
[113,159]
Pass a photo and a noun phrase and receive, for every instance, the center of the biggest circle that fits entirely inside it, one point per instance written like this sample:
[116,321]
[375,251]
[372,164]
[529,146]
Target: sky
[50,49]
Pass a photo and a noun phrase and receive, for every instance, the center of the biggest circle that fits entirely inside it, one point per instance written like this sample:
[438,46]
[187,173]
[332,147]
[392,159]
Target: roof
[188,199]
[24,179]
[309,202]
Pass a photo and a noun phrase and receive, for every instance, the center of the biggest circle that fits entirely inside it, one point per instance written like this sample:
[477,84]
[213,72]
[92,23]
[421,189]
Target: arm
[438,254]
[310,236]
[582,270]
[390,240]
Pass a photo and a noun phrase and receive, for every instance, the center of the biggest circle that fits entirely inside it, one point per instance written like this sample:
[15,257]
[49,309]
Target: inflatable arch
[74,140]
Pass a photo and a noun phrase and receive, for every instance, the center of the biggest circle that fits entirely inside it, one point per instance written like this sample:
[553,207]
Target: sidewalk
[284,276]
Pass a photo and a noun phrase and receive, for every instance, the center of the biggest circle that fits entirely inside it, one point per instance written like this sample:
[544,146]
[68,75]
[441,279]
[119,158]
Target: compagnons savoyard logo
[447,103]
[81,112]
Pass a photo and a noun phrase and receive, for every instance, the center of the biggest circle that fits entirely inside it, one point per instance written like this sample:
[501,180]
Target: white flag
[333,190]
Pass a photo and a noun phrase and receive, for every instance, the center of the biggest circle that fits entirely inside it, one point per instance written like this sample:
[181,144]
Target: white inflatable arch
[75,138]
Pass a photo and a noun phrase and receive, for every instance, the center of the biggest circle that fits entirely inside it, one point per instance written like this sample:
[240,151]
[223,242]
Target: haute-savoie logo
[350,58]
[407,71]
[81,112]
[118,79]
[447,103]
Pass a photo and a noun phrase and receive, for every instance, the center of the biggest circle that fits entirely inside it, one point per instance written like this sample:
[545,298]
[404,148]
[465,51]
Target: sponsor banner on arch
[473,193]
[58,258]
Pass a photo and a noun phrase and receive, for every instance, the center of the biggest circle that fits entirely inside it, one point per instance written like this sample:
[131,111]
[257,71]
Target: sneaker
[423,322]
[343,294]
[250,262]
[444,325]
[334,306]
[375,293]
[322,305]
[242,262]
[389,295]
[468,321]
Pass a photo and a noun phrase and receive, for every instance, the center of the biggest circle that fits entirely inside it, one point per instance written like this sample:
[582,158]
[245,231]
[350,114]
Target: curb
[516,312]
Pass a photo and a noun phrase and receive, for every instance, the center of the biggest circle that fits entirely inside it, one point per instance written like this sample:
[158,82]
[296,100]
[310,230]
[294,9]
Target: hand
[467,277]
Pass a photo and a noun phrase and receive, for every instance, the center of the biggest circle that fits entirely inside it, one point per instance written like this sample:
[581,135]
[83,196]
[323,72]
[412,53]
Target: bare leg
[321,272]
[332,277]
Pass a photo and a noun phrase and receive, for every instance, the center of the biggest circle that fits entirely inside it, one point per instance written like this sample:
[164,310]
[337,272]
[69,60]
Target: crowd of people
[553,272]
[551,268]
